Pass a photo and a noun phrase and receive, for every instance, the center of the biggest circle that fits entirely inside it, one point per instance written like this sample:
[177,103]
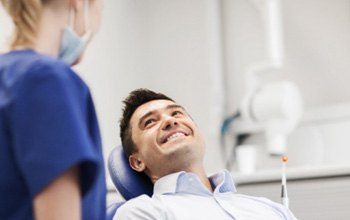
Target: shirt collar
[183,182]
[167,184]
[222,182]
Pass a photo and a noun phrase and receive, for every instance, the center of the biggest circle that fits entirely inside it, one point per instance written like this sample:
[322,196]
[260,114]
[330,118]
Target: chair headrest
[128,182]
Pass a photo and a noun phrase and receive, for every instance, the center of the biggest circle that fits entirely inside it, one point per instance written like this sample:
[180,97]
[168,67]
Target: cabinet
[314,193]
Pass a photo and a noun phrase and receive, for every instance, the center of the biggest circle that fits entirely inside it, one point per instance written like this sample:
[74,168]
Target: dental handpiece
[284,193]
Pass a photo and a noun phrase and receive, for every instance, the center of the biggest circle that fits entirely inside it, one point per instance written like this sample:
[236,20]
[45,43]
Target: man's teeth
[175,136]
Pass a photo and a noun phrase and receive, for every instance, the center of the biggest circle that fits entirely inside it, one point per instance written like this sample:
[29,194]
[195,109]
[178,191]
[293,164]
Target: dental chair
[128,182]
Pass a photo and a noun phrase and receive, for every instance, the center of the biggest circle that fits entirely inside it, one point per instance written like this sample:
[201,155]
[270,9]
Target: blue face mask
[72,45]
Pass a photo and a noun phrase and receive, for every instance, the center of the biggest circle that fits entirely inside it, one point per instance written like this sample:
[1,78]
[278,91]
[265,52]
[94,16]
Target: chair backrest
[128,182]
[112,209]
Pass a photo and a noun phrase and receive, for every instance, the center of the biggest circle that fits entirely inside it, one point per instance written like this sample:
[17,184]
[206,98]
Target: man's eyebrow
[145,116]
[175,106]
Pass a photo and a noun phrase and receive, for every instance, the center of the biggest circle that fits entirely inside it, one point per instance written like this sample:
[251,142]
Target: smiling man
[161,139]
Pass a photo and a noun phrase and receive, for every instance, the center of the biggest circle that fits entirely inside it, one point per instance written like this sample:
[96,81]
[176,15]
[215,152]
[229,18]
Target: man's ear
[136,163]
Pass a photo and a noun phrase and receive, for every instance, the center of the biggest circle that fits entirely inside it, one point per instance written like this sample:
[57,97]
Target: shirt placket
[220,200]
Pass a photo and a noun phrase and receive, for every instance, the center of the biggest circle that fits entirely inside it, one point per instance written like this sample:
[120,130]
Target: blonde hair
[25,15]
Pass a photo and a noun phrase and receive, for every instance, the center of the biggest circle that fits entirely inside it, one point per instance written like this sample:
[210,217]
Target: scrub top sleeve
[50,128]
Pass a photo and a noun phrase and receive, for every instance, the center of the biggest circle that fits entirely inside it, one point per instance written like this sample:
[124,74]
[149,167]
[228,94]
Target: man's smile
[173,135]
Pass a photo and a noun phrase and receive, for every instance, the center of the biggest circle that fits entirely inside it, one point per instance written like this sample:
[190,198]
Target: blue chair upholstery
[128,182]
[111,210]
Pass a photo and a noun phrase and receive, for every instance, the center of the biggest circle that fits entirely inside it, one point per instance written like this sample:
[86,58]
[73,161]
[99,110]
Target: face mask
[72,45]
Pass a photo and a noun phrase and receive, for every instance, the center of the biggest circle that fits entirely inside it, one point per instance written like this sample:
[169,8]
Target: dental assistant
[51,163]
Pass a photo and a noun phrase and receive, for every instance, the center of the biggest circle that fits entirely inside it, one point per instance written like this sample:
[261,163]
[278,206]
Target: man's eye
[148,121]
[176,113]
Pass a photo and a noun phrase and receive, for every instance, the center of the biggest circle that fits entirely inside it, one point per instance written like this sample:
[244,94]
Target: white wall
[5,30]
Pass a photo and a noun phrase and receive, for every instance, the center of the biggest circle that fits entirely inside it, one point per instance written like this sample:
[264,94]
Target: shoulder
[143,207]
[44,67]
[26,65]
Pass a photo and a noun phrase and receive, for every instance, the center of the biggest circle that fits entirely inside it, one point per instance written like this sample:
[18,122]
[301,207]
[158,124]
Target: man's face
[166,138]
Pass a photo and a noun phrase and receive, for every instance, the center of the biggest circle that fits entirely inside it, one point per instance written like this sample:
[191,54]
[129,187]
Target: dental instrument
[284,194]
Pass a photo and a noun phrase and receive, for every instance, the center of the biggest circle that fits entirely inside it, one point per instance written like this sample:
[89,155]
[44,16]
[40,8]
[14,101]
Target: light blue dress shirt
[182,196]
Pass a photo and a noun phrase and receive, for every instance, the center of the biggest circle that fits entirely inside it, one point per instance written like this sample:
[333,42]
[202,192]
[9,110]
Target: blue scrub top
[48,124]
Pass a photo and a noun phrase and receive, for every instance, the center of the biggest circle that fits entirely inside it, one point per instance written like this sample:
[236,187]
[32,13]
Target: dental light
[274,109]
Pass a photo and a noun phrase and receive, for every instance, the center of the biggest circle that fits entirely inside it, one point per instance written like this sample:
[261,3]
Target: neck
[203,177]
[54,18]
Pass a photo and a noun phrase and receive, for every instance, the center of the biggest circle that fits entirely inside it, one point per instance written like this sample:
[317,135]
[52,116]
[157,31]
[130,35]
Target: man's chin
[179,150]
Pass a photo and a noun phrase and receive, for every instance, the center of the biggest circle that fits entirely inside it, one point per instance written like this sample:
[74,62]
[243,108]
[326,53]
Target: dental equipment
[272,108]
[284,194]
[275,110]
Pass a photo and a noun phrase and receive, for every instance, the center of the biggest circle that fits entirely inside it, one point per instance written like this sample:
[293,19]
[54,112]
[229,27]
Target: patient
[161,139]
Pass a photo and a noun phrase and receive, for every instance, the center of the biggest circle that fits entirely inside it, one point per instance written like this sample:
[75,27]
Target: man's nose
[169,123]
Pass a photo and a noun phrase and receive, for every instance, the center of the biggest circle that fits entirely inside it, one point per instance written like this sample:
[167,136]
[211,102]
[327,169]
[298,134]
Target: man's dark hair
[135,99]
